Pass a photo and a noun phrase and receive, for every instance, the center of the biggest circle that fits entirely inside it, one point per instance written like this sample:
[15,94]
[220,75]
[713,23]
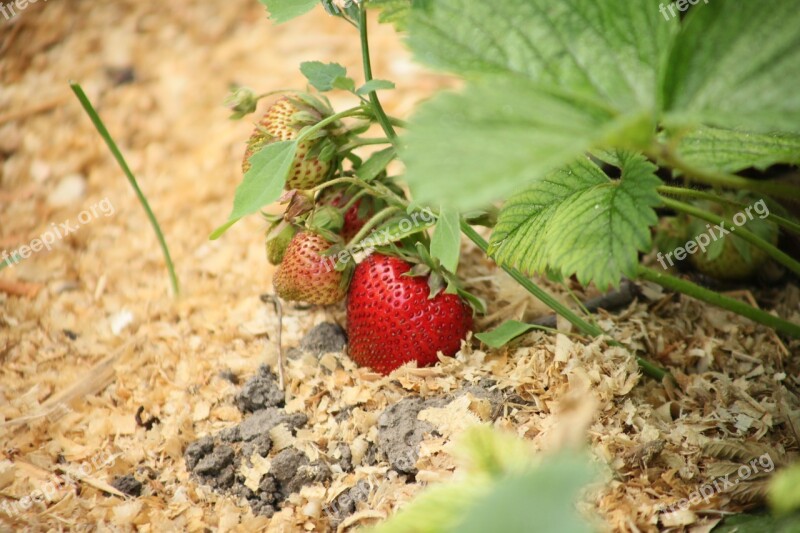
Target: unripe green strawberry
[728,257]
[283,122]
[305,275]
[730,264]
[277,244]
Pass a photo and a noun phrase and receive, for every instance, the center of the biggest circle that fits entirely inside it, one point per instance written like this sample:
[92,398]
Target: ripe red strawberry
[391,320]
[354,218]
[281,123]
[305,275]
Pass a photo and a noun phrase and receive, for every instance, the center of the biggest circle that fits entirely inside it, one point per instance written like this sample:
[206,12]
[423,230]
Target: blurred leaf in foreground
[502,490]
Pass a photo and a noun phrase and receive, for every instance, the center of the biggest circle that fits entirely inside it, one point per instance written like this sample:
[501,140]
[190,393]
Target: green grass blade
[101,129]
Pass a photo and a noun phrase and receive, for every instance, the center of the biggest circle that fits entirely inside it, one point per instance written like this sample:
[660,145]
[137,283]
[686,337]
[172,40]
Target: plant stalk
[687,287]
[372,223]
[340,181]
[585,327]
[783,222]
[721,179]
[380,114]
[357,143]
[353,111]
[115,151]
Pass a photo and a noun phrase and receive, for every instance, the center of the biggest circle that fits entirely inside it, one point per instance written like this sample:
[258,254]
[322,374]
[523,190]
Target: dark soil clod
[215,459]
[261,422]
[324,338]
[260,392]
[399,432]
[128,484]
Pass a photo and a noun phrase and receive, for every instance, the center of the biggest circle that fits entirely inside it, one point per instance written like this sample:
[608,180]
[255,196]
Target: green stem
[339,181]
[581,324]
[356,197]
[400,123]
[380,114]
[358,143]
[703,195]
[669,190]
[585,327]
[785,223]
[773,251]
[101,129]
[372,223]
[721,179]
[714,298]
[352,112]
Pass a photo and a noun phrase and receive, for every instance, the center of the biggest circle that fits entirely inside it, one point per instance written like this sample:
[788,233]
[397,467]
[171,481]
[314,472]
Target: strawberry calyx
[278,238]
[439,279]
[355,207]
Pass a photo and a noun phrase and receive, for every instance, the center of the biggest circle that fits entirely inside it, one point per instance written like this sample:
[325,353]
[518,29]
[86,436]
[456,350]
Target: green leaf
[263,183]
[322,75]
[344,83]
[726,150]
[609,49]
[437,510]
[578,221]
[283,10]
[376,164]
[542,499]
[759,523]
[486,451]
[783,495]
[375,85]
[502,491]
[395,11]
[737,65]
[501,134]
[446,239]
[505,333]
[576,75]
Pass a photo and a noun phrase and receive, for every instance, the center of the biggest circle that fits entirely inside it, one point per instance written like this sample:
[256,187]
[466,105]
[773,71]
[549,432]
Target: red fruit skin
[352,222]
[306,276]
[391,320]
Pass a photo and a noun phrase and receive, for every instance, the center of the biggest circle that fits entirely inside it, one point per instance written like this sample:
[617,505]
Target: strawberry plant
[585,121]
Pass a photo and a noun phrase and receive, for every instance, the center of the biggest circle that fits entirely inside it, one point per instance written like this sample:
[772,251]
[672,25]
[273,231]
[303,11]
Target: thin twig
[276,302]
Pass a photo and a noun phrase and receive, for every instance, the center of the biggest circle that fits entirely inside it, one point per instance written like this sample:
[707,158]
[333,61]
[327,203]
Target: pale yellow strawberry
[279,123]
